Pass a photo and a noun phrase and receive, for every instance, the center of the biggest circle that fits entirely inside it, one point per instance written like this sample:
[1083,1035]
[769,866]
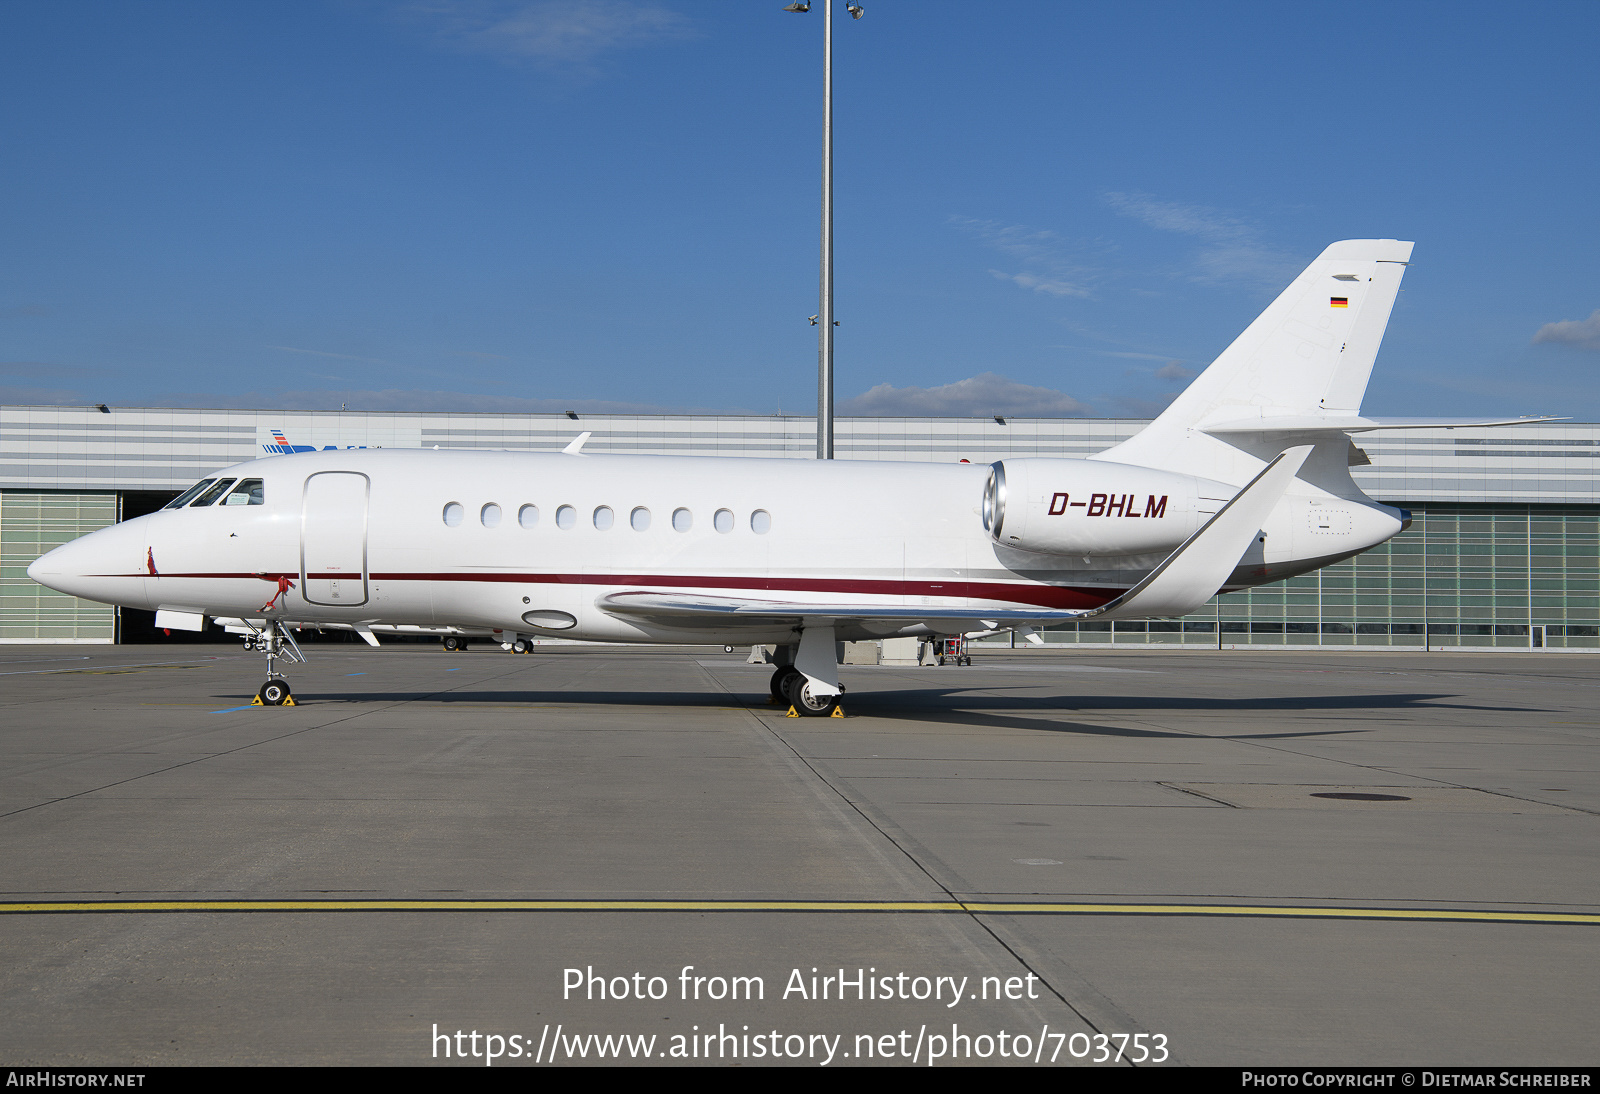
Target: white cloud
[46,368]
[1050,266]
[1583,333]
[41,396]
[1048,286]
[988,393]
[409,400]
[337,356]
[1232,249]
[551,33]
[392,399]
[1172,370]
[1193,220]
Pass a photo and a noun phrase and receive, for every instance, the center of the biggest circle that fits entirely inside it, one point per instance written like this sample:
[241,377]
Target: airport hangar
[1502,553]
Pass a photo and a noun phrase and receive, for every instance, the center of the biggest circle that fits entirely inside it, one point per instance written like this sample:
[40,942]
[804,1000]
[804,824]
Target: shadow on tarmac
[949,705]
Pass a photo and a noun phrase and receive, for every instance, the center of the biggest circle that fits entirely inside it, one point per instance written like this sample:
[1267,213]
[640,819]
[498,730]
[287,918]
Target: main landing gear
[279,645]
[792,687]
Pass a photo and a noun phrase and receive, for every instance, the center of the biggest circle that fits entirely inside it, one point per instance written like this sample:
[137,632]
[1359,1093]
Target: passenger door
[333,539]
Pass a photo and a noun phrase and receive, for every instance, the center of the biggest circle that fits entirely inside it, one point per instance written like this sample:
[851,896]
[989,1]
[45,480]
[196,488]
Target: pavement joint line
[226,752]
[116,667]
[1087,1002]
[960,907]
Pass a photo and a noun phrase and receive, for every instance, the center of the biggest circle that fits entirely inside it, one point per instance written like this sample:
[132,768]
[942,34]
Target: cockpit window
[248,492]
[188,495]
[212,494]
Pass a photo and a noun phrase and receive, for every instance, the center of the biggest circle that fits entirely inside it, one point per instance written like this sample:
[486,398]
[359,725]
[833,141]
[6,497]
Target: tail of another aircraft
[1303,364]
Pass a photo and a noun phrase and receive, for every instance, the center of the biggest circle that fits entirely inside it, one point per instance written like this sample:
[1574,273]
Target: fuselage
[527,542]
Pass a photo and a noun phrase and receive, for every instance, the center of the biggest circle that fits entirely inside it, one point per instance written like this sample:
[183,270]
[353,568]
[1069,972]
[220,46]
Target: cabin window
[682,520]
[490,515]
[453,514]
[603,518]
[723,521]
[188,495]
[566,517]
[640,519]
[211,495]
[761,522]
[528,516]
[248,492]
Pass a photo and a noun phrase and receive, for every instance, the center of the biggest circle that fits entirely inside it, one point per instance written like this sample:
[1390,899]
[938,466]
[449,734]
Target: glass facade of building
[30,525]
[1508,576]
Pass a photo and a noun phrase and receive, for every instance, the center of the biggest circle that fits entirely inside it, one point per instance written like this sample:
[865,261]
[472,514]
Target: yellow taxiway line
[855,906]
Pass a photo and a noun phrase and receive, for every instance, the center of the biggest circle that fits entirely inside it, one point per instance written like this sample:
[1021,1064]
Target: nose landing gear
[278,644]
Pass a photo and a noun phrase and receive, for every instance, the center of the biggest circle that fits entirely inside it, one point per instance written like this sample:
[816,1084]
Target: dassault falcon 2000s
[1243,480]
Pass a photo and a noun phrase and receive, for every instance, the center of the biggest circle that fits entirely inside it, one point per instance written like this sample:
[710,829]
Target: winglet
[576,447]
[1196,571]
[366,634]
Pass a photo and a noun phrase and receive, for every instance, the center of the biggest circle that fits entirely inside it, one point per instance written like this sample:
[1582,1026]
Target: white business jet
[1243,480]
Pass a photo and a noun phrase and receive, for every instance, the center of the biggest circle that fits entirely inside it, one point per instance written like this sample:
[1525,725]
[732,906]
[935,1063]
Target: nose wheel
[275,693]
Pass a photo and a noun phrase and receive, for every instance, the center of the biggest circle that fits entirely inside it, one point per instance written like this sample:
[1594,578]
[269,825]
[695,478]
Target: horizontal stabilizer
[1312,424]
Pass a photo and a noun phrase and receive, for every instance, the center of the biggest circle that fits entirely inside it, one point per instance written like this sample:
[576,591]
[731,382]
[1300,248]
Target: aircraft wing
[690,610]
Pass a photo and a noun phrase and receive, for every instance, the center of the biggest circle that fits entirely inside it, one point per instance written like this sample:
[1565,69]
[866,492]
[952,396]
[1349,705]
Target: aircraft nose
[99,566]
[53,565]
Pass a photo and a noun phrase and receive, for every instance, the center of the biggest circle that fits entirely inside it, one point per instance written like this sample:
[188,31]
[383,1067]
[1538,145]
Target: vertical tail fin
[1309,354]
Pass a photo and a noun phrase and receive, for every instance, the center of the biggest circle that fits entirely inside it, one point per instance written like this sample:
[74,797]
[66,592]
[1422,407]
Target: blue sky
[1043,208]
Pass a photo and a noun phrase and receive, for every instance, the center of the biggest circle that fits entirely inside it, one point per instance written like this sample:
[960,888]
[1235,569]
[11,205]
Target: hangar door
[333,539]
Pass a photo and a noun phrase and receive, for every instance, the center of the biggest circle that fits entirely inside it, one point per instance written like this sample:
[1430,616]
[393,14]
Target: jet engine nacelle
[1086,507]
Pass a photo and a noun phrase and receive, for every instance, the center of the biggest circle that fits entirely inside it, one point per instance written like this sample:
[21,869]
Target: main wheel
[808,705]
[273,693]
[780,683]
[452,643]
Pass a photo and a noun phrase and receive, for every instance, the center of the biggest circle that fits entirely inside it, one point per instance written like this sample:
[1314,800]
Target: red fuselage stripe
[1044,596]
